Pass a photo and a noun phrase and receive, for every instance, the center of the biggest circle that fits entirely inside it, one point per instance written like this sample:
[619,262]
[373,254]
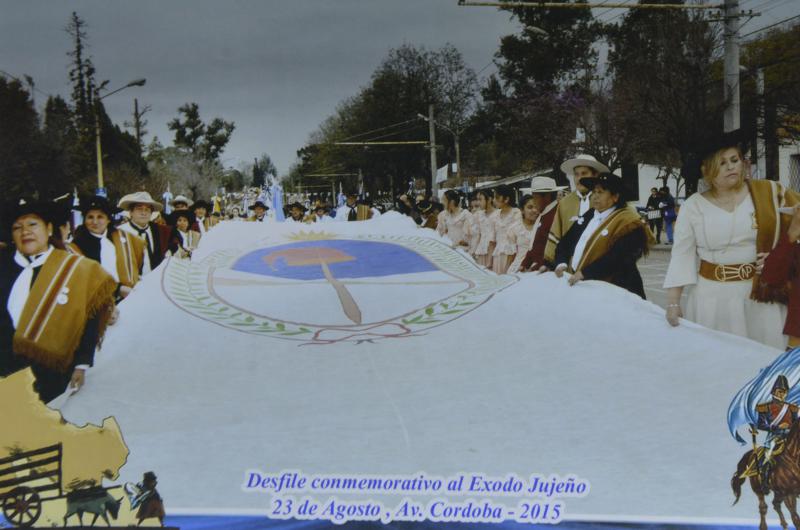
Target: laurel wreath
[186,283]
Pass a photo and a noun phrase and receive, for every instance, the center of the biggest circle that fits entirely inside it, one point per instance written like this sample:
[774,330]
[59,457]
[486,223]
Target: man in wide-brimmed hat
[297,213]
[140,207]
[545,196]
[259,212]
[575,204]
[181,202]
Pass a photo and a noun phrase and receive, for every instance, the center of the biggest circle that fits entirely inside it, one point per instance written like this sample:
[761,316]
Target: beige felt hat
[140,197]
[544,185]
[182,198]
[583,160]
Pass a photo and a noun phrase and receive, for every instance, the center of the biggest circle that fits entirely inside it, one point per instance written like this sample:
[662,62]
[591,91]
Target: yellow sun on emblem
[310,236]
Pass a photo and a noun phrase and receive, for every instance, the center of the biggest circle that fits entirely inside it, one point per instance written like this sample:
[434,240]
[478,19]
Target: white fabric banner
[375,348]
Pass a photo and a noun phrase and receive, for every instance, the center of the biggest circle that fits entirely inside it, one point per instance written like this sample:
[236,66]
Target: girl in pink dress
[522,233]
[485,246]
[454,222]
[475,230]
[503,218]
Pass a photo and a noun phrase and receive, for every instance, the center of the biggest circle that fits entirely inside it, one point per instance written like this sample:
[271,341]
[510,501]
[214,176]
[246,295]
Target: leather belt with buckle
[727,273]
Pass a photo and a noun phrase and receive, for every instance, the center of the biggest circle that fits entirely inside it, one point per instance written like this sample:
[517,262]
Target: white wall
[648,174]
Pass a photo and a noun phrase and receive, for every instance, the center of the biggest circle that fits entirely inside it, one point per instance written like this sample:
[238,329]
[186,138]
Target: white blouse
[706,231]
[502,223]
[522,236]
[457,227]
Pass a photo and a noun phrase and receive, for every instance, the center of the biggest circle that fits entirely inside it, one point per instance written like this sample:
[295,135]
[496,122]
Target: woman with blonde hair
[729,230]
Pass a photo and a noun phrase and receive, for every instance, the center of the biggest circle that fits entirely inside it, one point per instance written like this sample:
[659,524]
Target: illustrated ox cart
[31,478]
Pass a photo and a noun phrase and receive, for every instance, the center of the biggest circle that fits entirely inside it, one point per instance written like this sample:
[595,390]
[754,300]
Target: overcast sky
[276,68]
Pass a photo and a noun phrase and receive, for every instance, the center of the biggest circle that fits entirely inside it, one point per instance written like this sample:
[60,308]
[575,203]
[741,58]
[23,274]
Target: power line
[20,81]
[770,26]
[380,129]
[407,130]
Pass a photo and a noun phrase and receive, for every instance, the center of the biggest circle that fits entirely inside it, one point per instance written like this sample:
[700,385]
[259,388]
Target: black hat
[297,205]
[257,204]
[781,383]
[610,181]
[98,203]
[16,209]
[737,139]
[713,144]
[149,476]
[425,206]
[172,219]
[201,204]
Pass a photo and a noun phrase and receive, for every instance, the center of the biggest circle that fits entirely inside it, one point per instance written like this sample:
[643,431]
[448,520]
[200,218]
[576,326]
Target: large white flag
[374,348]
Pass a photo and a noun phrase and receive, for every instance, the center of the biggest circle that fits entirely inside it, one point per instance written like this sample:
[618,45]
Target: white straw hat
[583,160]
[140,197]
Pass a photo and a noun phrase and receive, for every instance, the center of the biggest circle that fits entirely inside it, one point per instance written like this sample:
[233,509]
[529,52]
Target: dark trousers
[655,227]
[50,383]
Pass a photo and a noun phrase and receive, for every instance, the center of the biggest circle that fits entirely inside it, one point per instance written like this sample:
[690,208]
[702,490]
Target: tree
[81,75]
[666,76]
[184,172]
[261,168]
[21,147]
[530,112]
[777,55]
[404,84]
[206,142]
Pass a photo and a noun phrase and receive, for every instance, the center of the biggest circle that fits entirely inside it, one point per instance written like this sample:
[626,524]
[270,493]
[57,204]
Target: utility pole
[432,147]
[761,150]
[458,160]
[731,94]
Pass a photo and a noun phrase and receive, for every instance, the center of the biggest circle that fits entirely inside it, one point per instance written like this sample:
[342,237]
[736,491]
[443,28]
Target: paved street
[653,269]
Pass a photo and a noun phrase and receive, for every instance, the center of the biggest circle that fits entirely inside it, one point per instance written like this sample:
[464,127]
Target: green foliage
[529,113]
[205,142]
[404,84]
[261,168]
[664,79]
[21,144]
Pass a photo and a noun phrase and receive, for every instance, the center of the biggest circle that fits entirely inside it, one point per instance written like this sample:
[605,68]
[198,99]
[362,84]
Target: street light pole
[101,190]
[456,141]
[432,134]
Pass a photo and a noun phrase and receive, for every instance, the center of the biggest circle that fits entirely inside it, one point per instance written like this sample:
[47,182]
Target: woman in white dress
[522,233]
[721,239]
[455,222]
[502,220]
[485,246]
